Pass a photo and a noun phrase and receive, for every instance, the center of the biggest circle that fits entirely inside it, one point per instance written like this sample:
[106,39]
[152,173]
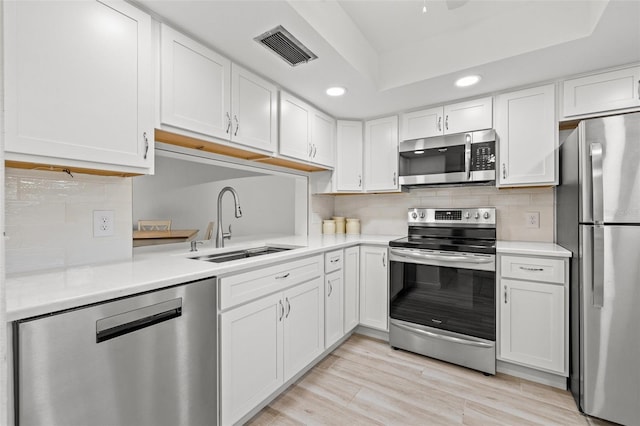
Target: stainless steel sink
[240,254]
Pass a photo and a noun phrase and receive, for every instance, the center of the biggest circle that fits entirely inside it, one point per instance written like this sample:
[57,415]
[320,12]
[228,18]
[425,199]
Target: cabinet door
[468,116]
[422,124]
[351,288]
[295,127]
[532,324]
[374,291]
[381,154]
[348,170]
[78,83]
[602,92]
[323,139]
[526,127]
[251,358]
[195,92]
[254,102]
[333,308]
[303,325]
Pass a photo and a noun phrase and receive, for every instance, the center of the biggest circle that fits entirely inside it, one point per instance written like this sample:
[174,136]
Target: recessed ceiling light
[469,80]
[336,91]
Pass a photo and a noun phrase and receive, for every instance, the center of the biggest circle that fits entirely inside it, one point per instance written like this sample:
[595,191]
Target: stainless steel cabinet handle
[504,171]
[384,260]
[439,124]
[598,266]
[311,150]
[288,308]
[228,123]
[281,277]
[146,144]
[335,259]
[359,181]
[330,288]
[505,294]
[235,117]
[638,89]
[524,268]
[394,177]
[597,182]
[281,310]
[446,122]
[315,150]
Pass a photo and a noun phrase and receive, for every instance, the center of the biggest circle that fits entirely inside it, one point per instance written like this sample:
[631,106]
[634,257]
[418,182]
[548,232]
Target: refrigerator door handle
[597,182]
[597,277]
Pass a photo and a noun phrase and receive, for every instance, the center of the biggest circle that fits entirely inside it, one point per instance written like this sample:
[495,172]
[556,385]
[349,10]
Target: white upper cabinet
[381,154]
[78,85]
[527,133]
[606,91]
[323,139]
[295,127]
[468,116]
[422,124]
[196,89]
[204,92]
[306,133]
[254,106]
[348,171]
[455,118]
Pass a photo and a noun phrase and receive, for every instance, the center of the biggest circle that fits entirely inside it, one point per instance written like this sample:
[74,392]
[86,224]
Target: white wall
[187,192]
[49,219]
[387,213]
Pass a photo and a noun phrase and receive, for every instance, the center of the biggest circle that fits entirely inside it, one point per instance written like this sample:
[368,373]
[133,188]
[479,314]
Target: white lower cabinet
[351,288]
[533,312]
[374,289]
[333,307]
[266,342]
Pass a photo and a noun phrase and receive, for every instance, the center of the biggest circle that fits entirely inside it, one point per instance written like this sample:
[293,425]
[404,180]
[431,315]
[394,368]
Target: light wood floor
[365,382]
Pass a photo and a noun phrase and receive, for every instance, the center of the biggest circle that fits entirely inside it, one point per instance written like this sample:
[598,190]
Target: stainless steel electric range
[443,285]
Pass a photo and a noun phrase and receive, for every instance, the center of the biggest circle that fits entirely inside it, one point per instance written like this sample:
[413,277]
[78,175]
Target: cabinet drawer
[240,288]
[333,261]
[533,269]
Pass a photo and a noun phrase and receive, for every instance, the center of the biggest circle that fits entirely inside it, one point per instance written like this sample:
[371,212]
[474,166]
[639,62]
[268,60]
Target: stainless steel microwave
[460,158]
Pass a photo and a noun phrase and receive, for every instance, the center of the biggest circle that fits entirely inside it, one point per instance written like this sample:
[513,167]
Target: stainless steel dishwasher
[149,359]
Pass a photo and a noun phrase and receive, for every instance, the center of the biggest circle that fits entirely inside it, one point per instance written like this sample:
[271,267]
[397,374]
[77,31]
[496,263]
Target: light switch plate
[103,223]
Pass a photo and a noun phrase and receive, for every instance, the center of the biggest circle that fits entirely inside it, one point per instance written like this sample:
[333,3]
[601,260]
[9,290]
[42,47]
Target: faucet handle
[227,235]
[194,245]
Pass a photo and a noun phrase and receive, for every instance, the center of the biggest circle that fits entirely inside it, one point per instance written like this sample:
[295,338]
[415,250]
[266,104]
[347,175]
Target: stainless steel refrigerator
[598,219]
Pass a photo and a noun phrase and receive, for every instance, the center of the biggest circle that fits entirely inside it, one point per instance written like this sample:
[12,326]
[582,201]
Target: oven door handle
[442,337]
[443,257]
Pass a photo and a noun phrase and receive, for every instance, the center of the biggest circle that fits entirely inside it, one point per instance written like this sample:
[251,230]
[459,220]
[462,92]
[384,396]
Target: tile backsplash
[387,213]
[49,219]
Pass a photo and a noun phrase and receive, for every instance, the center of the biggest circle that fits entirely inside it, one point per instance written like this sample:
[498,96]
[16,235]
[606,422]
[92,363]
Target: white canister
[329,226]
[340,224]
[353,225]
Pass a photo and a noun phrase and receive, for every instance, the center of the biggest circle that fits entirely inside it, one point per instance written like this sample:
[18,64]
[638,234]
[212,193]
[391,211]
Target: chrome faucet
[220,234]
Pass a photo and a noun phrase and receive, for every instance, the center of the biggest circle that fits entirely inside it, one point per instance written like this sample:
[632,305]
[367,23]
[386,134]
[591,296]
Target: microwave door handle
[467,155]
[597,183]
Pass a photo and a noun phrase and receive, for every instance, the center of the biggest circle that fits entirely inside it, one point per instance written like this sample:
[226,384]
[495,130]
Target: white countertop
[39,293]
[533,248]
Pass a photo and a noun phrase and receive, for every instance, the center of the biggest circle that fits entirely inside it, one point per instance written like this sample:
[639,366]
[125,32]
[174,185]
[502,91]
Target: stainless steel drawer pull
[335,259]
[281,277]
[128,322]
[330,288]
[525,268]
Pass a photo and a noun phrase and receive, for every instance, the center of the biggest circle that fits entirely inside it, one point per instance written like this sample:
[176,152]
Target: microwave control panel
[483,156]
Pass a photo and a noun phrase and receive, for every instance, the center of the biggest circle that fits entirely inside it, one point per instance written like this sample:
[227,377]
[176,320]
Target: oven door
[445,290]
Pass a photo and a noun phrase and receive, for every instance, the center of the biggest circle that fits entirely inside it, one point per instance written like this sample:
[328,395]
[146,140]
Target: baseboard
[531,374]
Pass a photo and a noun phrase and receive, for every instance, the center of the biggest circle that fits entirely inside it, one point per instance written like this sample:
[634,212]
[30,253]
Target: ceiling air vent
[286,46]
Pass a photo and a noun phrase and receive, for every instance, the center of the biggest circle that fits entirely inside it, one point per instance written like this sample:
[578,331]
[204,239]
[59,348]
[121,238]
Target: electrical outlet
[103,223]
[533,219]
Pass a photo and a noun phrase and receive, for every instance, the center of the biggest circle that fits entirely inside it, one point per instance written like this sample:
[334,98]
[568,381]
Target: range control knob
[414,215]
[486,215]
[477,215]
[467,215]
[422,215]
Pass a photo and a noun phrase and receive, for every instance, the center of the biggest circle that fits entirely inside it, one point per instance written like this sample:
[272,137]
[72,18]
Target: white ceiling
[391,57]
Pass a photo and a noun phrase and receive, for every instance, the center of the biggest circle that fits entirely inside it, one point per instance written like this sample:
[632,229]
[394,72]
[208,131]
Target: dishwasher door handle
[128,322]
